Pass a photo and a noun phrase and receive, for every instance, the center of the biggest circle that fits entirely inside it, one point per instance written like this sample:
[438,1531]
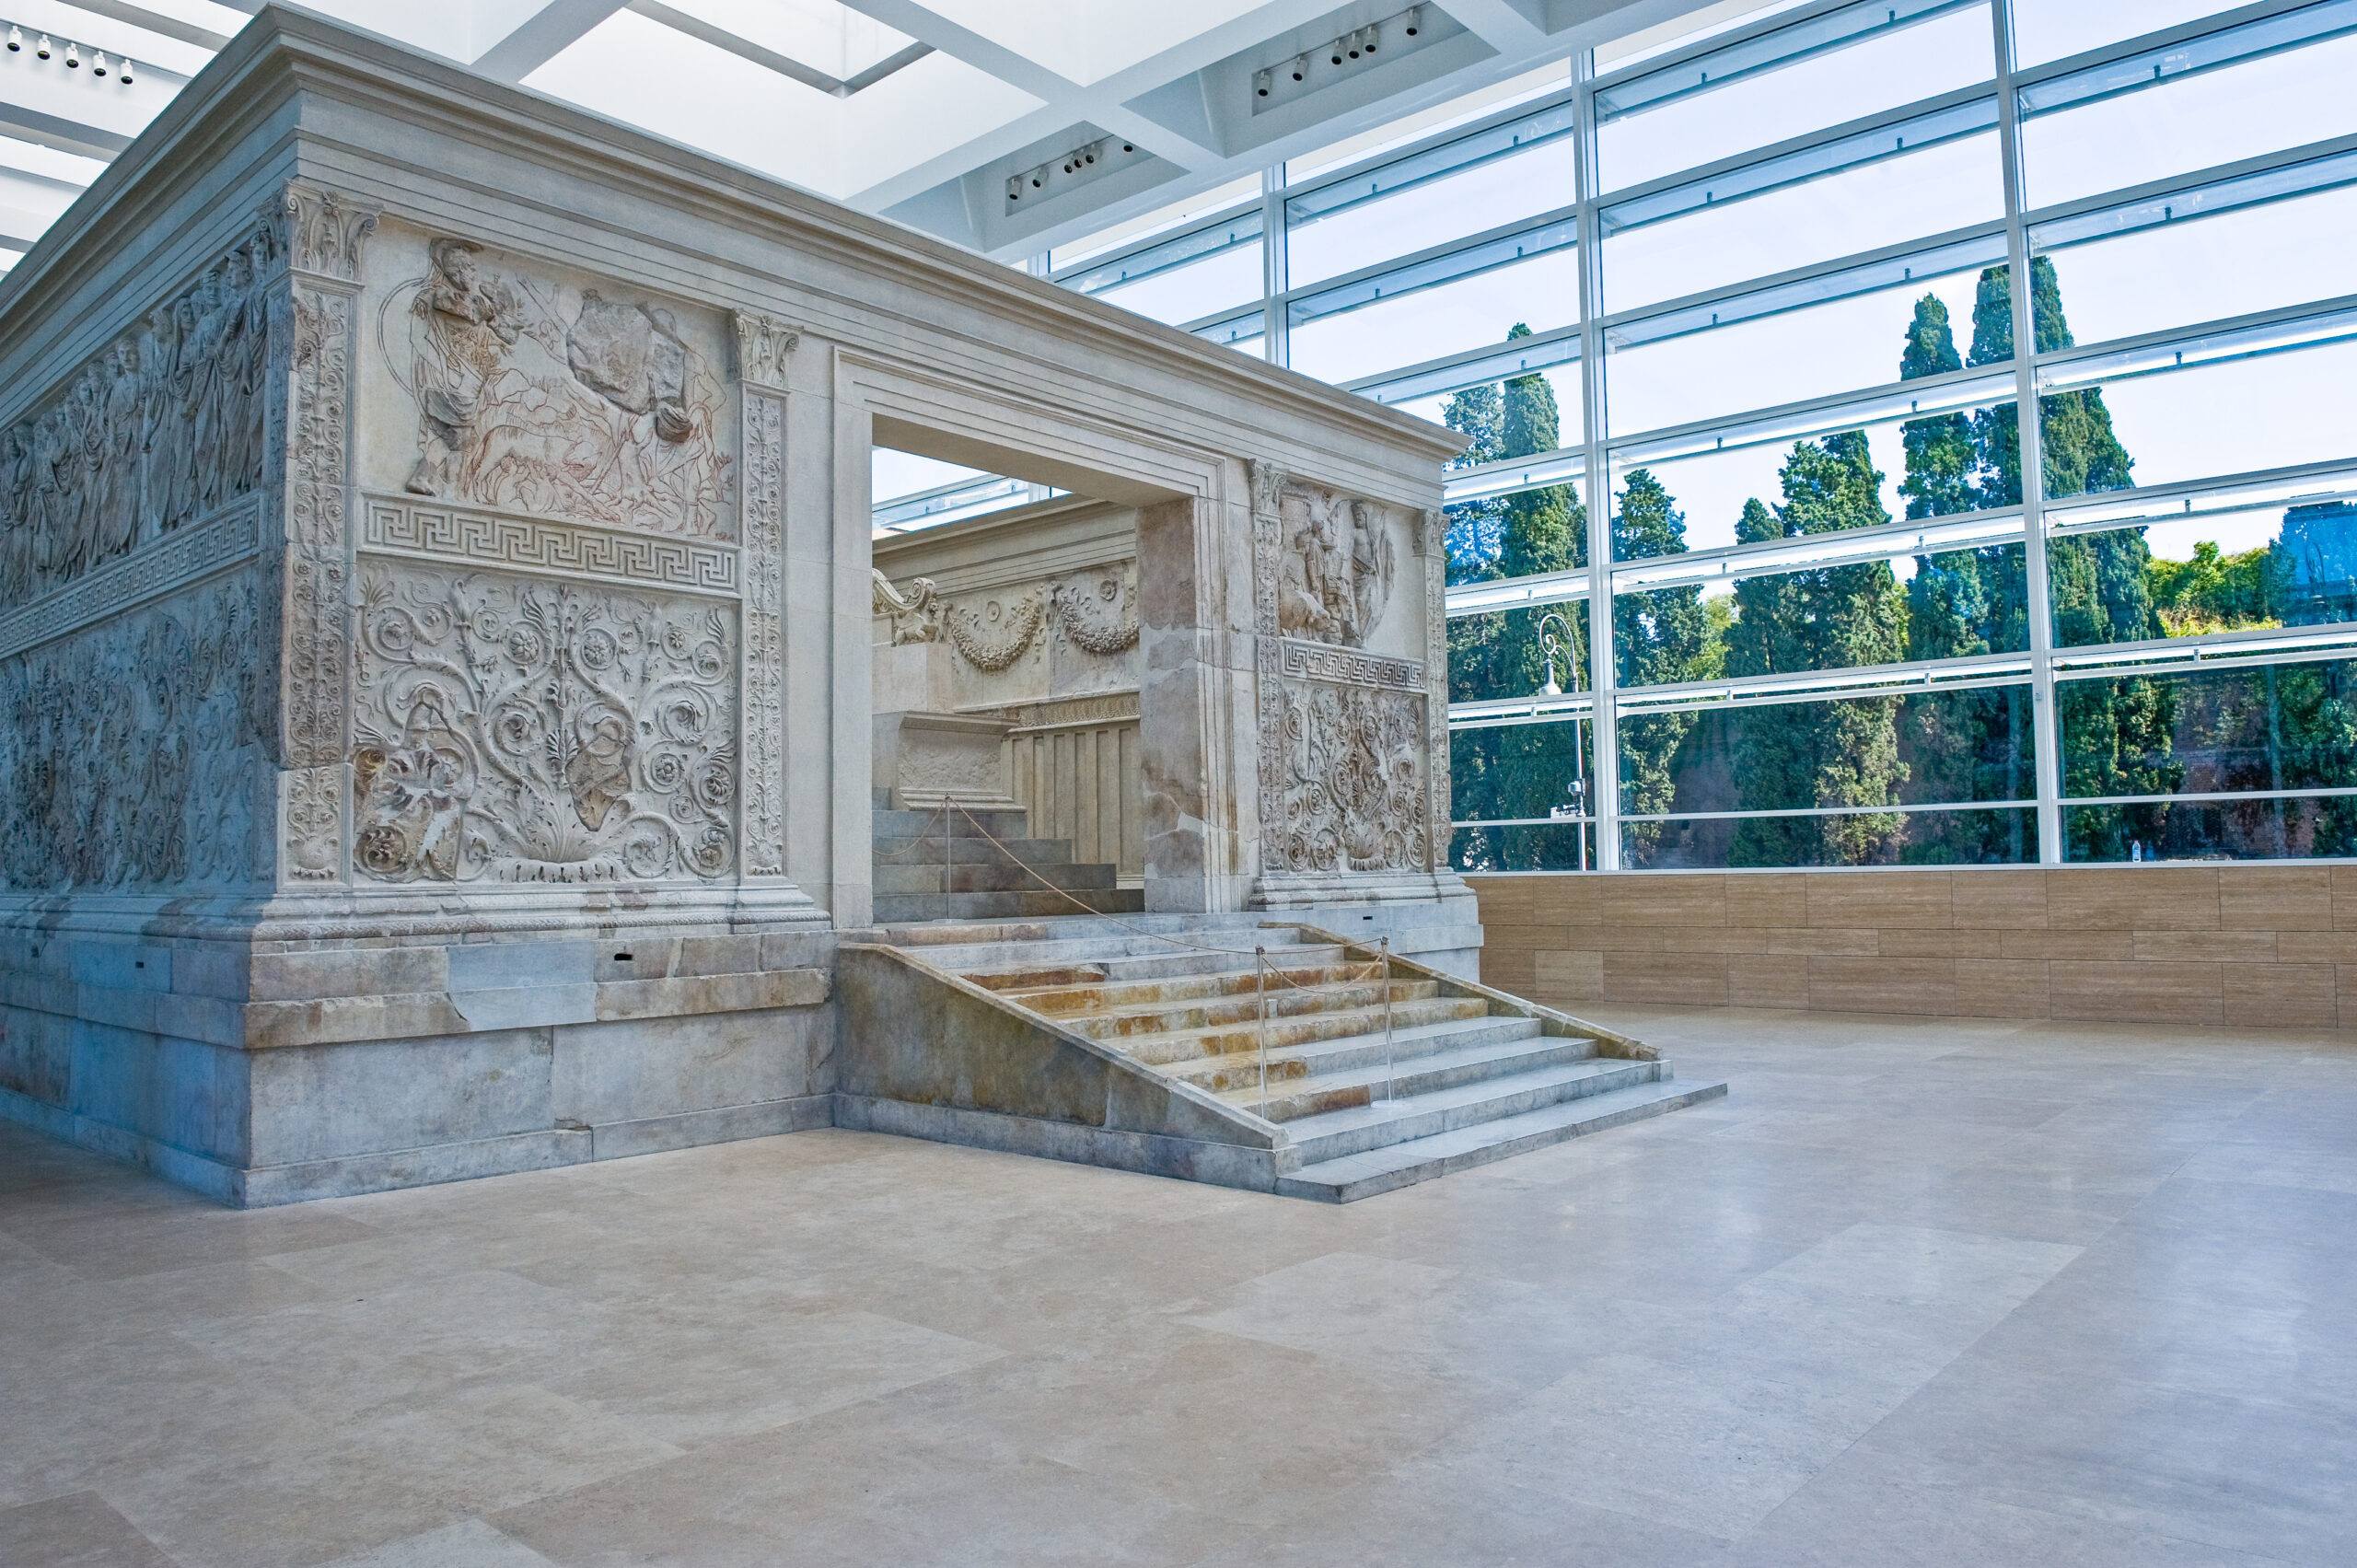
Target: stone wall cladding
[2267,947]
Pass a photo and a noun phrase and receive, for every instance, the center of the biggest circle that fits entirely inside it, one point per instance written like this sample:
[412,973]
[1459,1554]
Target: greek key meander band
[537,544]
[171,562]
[1348,667]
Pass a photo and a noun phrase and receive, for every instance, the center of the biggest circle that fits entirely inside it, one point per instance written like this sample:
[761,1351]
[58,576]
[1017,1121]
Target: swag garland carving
[135,749]
[164,425]
[542,732]
[991,649]
[1079,623]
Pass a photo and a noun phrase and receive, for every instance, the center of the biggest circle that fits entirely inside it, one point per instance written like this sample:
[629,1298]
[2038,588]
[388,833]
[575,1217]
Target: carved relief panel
[528,731]
[506,383]
[1345,682]
[160,428]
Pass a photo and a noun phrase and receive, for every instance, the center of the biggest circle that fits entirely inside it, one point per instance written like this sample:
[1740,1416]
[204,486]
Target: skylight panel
[828,38]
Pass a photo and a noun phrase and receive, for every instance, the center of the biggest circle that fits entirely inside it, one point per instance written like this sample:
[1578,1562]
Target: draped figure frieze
[164,425]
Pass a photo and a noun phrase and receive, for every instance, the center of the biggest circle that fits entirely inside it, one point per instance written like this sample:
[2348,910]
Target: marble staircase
[1354,1102]
[986,866]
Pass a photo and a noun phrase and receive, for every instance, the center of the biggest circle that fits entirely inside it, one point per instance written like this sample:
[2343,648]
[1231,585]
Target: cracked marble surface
[1917,1291]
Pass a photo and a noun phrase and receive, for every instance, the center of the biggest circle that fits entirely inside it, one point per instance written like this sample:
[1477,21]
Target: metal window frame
[2012,240]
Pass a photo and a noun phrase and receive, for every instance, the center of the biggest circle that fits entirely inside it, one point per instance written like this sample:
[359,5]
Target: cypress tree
[1963,746]
[1521,770]
[2116,735]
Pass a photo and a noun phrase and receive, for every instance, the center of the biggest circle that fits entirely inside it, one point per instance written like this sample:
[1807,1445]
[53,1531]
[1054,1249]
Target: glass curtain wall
[1754,561]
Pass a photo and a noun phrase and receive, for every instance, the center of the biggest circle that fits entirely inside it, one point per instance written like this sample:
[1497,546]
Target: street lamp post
[1553,645]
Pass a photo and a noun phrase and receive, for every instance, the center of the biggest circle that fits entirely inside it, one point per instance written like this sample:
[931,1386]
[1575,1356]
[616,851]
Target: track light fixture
[99,64]
[1300,66]
[1356,47]
[1085,156]
[41,50]
[123,75]
[1415,17]
[1260,82]
[16,41]
[73,63]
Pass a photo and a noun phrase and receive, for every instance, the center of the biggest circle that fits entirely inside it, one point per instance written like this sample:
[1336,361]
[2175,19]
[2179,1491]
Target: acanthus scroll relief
[162,427]
[542,732]
[1352,793]
[132,749]
[541,397]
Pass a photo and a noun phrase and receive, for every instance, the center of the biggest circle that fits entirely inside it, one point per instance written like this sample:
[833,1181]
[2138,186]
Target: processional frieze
[159,568]
[162,428]
[403,525]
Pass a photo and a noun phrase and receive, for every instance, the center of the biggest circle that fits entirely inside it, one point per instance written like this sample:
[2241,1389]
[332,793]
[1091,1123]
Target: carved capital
[763,345]
[1431,532]
[319,231]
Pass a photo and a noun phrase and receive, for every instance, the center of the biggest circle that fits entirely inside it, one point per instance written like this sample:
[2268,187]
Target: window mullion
[2046,721]
[1276,267]
[1604,788]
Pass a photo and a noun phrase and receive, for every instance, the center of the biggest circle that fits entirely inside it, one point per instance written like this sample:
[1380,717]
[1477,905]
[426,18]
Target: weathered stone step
[1006,825]
[1351,1177]
[1334,1133]
[1408,1077]
[1325,1058]
[992,878]
[1092,963]
[928,851]
[972,906]
[1114,1024]
[1084,996]
[1162,1050]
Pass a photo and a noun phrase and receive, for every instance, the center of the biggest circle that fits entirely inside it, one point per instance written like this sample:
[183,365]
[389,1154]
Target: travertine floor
[1915,1293]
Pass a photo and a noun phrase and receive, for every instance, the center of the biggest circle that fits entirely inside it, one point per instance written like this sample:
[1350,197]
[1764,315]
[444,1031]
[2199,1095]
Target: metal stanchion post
[1260,963]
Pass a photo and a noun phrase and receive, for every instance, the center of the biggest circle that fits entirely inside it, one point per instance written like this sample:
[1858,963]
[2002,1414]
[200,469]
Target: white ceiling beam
[512,39]
[1501,24]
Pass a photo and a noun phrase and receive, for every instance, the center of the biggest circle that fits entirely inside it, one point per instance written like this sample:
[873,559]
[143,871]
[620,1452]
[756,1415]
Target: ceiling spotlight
[123,75]
[1015,188]
[1336,48]
[1414,14]
[1373,36]
[1034,181]
[73,61]
[16,41]
[1260,82]
[41,50]
[1127,148]
[1300,66]
[99,64]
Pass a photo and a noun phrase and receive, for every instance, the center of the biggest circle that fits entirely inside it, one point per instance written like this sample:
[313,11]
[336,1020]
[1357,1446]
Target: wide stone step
[1184,1045]
[963,824]
[975,906]
[1341,1060]
[1012,967]
[1280,1002]
[930,850]
[1084,996]
[1334,1133]
[1351,1177]
[993,878]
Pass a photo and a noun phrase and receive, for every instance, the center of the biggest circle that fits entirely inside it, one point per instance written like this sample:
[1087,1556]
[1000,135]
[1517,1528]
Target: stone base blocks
[267,1077]
[1280,1058]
